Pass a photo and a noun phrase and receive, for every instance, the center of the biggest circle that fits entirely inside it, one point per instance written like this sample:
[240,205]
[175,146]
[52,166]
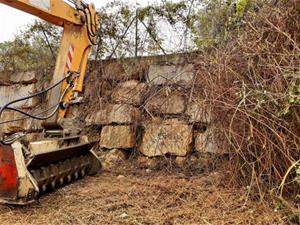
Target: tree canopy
[129,30]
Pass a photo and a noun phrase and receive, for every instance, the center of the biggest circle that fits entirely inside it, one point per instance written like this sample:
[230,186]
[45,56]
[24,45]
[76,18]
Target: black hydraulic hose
[91,35]
[91,39]
[47,41]
[90,32]
[14,137]
[92,25]
[36,116]
[42,92]
[27,115]
[31,96]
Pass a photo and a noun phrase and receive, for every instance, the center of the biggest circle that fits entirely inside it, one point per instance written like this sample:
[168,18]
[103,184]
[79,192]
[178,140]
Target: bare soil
[144,197]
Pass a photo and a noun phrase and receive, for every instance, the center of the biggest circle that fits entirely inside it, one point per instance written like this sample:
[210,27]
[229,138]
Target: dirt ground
[143,197]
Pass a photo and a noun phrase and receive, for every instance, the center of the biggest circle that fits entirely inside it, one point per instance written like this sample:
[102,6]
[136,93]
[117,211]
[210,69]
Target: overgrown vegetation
[253,85]
[30,50]
[169,27]
[129,30]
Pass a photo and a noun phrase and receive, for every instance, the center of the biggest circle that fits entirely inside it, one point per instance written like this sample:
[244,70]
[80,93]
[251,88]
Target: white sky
[11,20]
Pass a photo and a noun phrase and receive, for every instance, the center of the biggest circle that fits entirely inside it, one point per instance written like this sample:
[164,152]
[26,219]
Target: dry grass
[143,198]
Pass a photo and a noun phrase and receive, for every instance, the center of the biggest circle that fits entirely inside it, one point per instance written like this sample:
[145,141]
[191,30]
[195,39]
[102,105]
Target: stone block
[100,118]
[117,137]
[170,74]
[124,114]
[116,114]
[24,77]
[10,93]
[210,141]
[166,137]
[112,158]
[166,104]
[17,126]
[90,119]
[121,70]
[129,92]
[203,142]
[198,113]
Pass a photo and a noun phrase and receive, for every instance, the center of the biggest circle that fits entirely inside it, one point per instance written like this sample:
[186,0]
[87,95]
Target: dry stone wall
[150,106]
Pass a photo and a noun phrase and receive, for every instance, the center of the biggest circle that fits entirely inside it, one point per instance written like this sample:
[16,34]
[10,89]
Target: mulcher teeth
[61,173]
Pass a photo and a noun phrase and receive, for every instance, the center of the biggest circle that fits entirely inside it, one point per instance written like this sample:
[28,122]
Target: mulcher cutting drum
[28,171]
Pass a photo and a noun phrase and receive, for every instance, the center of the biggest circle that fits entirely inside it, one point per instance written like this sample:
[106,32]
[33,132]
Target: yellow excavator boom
[80,26]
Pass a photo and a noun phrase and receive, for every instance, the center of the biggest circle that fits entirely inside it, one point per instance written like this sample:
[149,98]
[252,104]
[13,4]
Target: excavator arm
[29,168]
[80,24]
